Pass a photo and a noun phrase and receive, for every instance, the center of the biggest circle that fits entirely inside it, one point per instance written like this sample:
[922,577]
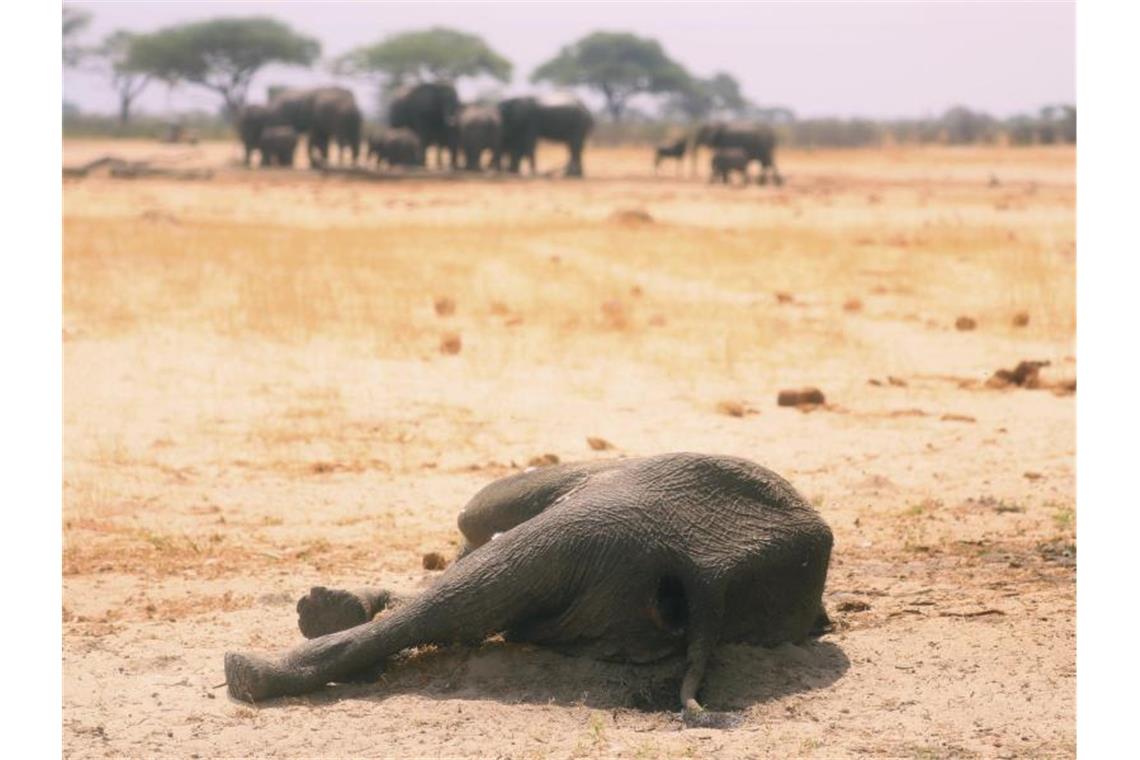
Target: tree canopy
[436,53]
[115,53]
[222,55]
[619,65]
[74,22]
[701,98]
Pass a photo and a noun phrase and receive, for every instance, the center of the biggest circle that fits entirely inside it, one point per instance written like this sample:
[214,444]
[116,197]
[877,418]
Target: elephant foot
[253,679]
[701,718]
[323,611]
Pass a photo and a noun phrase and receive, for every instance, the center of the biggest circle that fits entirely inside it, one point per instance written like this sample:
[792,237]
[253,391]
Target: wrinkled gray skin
[325,115]
[629,560]
[674,149]
[728,160]
[396,147]
[758,141]
[431,110]
[277,146]
[480,130]
[559,118]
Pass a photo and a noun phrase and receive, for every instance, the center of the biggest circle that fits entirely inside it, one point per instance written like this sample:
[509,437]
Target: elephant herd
[429,114]
[735,146]
[420,117]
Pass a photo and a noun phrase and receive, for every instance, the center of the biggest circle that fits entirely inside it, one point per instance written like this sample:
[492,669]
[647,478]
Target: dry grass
[256,401]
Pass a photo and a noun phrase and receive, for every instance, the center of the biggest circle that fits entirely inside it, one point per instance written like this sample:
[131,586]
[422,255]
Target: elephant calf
[630,560]
[397,147]
[728,160]
[277,145]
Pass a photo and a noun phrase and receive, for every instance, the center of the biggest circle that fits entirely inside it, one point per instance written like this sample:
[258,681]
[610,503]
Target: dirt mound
[800,397]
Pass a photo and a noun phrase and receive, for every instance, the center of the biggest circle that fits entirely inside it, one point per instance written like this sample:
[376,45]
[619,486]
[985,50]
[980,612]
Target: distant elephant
[278,145]
[324,114]
[480,130]
[630,560]
[431,110]
[559,118]
[728,160]
[674,149]
[520,131]
[397,147]
[251,122]
[336,117]
[758,141]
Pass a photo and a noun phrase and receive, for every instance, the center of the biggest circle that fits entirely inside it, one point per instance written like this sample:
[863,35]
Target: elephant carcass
[480,130]
[758,141]
[431,110]
[630,560]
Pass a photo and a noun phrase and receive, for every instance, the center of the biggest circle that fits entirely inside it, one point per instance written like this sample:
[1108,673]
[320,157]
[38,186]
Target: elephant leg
[509,502]
[323,611]
[575,167]
[471,601]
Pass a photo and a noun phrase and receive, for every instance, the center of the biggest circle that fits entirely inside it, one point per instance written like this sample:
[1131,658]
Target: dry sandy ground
[256,402]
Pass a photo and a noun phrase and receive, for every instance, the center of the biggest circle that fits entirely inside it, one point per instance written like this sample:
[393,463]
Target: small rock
[731,408]
[543,460]
[1021,319]
[958,418]
[434,561]
[784,297]
[1030,475]
[896,381]
[799,397]
[853,605]
[965,323]
[636,291]
[852,304]
[615,314]
[450,343]
[1025,375]
[598,444]
[631,216]
[444,306]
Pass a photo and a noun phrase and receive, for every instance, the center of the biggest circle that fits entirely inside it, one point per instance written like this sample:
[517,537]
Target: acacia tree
[129,83]
[619,65]
[700,98]
[74,22]
[221,55]
[428,54]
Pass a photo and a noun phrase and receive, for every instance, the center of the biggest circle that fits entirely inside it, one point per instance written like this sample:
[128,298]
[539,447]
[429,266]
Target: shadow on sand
[739,676]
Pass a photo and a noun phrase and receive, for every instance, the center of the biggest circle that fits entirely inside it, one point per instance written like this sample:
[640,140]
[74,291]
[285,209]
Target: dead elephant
[630,560]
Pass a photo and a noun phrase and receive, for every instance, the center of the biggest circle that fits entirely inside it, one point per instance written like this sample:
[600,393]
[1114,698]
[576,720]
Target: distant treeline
[958,126]
[619,69]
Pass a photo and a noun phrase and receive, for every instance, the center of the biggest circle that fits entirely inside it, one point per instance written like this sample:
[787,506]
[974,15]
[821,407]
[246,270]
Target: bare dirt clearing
[261,395]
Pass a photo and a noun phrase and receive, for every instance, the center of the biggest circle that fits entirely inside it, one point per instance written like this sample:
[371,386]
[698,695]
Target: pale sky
[874,59]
